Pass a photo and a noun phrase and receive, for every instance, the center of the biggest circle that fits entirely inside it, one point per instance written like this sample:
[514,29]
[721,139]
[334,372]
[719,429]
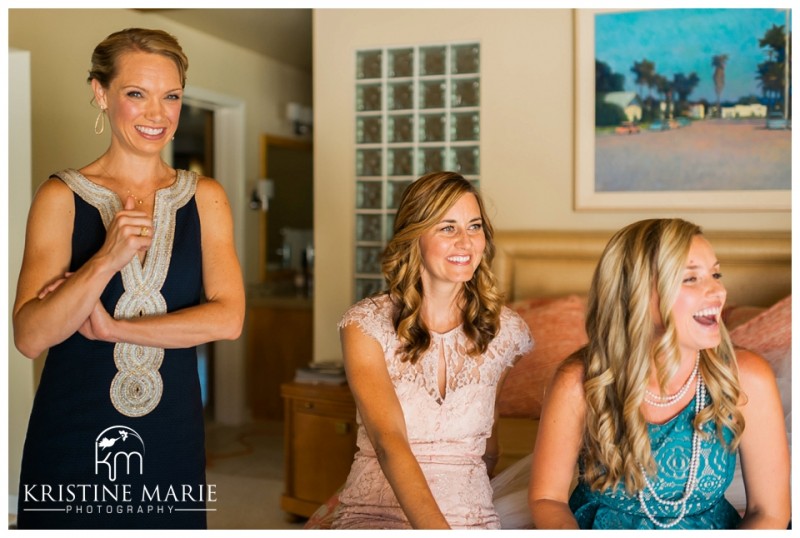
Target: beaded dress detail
[137,387]
[447,432]
[91,390]
[671,445]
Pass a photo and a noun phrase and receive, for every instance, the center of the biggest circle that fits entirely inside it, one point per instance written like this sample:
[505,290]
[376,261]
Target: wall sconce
[262,193]
[302,118]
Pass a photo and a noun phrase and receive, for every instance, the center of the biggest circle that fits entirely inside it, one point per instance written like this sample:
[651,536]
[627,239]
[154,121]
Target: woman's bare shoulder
[53,186]
[211,196]
[754,369]
[573,365]
[209,186]
[53,194]
[569,375]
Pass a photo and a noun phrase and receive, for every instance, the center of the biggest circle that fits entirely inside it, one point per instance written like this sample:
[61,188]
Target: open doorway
[227,143]
[193,149]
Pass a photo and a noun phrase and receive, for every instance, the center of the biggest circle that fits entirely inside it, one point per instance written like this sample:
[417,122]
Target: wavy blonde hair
[422,206]
[645,257]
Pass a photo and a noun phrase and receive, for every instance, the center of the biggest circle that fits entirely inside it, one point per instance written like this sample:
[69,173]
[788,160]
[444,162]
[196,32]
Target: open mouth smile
[708,316]
[150,131]
[459,259]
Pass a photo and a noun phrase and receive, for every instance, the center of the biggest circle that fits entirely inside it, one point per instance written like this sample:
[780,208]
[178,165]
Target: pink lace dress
[447,432]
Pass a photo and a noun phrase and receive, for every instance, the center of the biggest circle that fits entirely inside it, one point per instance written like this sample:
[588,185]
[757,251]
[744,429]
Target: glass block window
[417,110]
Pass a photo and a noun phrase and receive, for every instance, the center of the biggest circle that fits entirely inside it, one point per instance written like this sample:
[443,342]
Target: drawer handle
[308,405]
[342,428]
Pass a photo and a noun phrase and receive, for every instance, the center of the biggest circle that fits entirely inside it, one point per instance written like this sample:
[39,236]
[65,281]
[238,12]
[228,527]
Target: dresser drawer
[320,441]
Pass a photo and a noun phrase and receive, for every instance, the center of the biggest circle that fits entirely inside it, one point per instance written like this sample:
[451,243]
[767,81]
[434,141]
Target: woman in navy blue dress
[129,264]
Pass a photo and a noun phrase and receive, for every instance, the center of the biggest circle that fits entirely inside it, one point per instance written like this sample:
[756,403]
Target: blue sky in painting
[684,41]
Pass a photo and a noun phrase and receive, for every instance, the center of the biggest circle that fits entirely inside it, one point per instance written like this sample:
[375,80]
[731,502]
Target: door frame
[229,169]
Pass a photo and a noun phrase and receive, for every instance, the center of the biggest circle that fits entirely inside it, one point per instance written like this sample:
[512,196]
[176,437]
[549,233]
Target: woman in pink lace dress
[425,361]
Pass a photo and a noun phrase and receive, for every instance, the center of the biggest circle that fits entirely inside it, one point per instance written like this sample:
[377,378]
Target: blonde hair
[106,54]
[423,204]
[645,256]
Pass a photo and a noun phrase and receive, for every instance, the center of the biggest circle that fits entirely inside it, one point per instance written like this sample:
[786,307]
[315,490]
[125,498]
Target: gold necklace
[139,200]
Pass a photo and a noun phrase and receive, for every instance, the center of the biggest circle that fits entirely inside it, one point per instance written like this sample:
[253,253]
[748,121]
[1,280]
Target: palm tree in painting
[718,62]
[683,86]
[664,87]
[606,80]
[772,73]
[645,72]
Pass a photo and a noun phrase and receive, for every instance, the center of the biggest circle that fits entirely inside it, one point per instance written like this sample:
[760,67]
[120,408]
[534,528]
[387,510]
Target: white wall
[20,369]
[526,133]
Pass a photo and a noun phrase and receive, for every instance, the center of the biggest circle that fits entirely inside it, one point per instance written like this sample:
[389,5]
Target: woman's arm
[385,425]
[492,454]
[555,455]
[764,451]
[220,317]
[42,322]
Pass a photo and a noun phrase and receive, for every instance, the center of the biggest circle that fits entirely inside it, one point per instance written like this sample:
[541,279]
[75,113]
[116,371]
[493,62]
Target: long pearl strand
[694,463]
[656,400]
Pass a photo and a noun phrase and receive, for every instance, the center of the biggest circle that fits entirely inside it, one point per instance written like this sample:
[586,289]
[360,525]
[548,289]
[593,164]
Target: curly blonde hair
[424,204]
[644,257]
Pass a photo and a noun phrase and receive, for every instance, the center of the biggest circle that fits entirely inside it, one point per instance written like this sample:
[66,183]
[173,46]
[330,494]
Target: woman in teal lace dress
[656,406]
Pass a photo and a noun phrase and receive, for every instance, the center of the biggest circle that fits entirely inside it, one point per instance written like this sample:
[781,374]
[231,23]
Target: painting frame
[587,198]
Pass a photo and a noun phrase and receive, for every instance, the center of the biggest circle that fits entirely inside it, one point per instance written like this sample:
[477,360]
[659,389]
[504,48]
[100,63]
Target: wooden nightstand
[319,441]
[278,343]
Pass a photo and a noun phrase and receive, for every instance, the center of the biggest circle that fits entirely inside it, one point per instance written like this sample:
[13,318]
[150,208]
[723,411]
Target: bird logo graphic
[119,448]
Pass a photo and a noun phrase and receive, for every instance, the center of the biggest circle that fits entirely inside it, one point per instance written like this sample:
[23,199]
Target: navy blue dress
[94,455]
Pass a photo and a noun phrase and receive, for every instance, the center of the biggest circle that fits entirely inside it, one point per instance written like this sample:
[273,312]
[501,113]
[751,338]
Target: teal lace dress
[671,443]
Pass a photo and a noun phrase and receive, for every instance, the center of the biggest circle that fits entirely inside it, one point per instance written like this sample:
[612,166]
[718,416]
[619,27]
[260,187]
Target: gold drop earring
[100,121]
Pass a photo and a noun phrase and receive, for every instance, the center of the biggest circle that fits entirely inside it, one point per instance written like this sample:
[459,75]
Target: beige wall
[526,133]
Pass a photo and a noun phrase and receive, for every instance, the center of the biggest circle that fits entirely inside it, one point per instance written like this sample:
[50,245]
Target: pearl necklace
[657,400]
[691,482]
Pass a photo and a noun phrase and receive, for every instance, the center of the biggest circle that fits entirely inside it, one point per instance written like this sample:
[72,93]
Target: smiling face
[700,299]
[452,249]
[143,101]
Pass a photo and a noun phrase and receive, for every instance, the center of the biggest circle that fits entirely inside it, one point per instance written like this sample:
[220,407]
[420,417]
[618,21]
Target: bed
[545,276]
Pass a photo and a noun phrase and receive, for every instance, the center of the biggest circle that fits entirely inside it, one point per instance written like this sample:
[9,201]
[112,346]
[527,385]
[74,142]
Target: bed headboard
[756,266]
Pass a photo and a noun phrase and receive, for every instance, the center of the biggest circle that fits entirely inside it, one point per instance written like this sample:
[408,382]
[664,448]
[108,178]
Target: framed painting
[682,109]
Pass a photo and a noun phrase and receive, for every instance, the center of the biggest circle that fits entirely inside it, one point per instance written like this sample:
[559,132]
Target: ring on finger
[144,232]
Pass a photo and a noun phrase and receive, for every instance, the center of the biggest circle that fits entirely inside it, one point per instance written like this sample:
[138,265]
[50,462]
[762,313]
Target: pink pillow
[735,315]
[770,335]
[557,326]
